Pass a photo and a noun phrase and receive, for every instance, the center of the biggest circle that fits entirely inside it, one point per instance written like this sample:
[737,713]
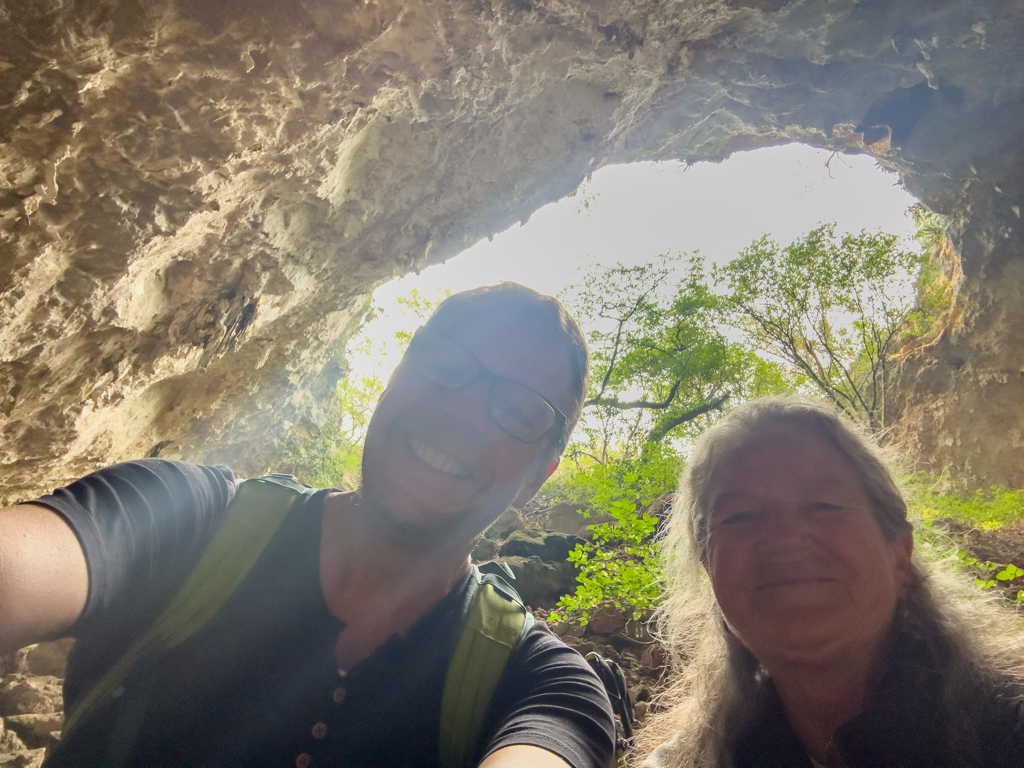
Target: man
[334,648]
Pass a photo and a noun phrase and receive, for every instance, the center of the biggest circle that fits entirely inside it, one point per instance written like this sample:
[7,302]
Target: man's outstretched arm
[44,579]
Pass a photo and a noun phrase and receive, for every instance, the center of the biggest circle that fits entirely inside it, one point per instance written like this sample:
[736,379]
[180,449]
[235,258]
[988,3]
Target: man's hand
[523,756]
[43,576]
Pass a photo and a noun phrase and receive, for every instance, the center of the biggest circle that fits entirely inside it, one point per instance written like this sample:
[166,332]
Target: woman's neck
[819,698]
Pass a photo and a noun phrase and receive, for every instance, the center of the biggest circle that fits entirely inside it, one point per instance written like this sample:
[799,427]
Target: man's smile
[436,459]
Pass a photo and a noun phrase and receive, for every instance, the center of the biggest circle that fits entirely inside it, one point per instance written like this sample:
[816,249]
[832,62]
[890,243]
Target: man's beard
[430,533]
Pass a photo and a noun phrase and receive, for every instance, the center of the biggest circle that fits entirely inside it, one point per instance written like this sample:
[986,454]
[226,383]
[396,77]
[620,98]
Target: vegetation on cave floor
[984,532]
[675,345]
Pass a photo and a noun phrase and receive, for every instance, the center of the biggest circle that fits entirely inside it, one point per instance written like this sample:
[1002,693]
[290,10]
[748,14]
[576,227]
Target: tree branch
[663,429]
[614,402]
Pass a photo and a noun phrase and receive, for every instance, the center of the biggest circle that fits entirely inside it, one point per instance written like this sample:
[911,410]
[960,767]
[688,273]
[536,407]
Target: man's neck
[375,582]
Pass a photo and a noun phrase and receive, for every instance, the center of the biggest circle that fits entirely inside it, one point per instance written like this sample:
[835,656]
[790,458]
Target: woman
[821,641]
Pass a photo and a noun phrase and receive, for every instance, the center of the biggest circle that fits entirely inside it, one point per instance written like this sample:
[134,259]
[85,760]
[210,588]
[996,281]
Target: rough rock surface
[31,704]
[547,545]
[197,197]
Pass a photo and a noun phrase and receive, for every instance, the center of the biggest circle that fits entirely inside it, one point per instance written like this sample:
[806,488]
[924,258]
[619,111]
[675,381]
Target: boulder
[24,695]
[29,758]
[541,583]
[9,743]
[551,547]
[606,620]
[46,659]
[653,658]
[640,711]
[485,549]
[566,518]
[625,644]
[508,521]
[36,731]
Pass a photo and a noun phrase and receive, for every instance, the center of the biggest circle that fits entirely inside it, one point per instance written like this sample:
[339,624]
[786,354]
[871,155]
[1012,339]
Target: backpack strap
[496,622]
[614,682]
[252,517]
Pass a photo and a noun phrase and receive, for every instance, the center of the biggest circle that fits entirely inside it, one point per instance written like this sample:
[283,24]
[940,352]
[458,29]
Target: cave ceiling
[197,198]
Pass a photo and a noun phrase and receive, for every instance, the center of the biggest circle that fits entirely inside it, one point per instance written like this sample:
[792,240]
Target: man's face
[435,462]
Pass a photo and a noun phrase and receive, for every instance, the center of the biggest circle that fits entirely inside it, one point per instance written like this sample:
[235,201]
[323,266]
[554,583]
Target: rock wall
[197,197]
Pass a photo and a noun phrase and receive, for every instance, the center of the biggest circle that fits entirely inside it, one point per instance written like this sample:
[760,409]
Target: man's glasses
[518,410]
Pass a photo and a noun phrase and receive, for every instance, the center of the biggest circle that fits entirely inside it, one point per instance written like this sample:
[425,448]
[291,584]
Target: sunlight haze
[638,211]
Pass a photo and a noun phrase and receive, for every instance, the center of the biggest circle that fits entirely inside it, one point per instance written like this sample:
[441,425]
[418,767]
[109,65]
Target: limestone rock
[24,695]
[9,742]
[640,711]
[541,583]
[485,549]
[606,620]
[549,546]
[46,659]
[565,518]
[36,731]
[29,758]
[653,658]
[197,198]
[508,521]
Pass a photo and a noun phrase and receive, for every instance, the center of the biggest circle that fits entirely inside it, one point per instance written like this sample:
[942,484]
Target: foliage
[1002,574]
[580,479]
[987,509]
[420,306]
[620,566]
[940,273]
[835,308]
[660,360]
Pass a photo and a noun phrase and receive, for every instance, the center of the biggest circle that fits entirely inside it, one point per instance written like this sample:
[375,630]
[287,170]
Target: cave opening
[633,213]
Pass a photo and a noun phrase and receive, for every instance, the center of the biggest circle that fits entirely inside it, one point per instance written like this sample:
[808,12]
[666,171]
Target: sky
[635,212]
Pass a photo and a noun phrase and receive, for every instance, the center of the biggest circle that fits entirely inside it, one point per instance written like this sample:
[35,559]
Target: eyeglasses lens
[516,408]
[442,363]
[519,411]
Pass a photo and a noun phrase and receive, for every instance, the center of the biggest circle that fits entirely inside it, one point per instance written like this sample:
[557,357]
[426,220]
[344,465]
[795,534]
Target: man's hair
[512,304]
[715,678]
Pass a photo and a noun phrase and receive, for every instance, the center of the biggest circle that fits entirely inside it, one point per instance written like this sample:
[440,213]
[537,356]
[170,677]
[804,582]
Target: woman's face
[797,560]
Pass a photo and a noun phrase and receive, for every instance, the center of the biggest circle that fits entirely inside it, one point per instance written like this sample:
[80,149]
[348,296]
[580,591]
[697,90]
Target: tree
[835,308]
[660,361]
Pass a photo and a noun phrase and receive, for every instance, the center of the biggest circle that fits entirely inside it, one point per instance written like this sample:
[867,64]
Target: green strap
[251,519]
[496,623]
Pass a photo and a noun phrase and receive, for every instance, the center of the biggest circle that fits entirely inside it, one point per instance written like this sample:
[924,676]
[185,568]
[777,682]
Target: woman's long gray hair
[715,678]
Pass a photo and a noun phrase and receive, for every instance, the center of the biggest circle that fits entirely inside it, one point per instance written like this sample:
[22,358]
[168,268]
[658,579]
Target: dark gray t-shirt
[258,684]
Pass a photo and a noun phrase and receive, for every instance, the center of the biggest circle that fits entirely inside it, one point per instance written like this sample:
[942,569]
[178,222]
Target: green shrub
[987,509]
[621,565]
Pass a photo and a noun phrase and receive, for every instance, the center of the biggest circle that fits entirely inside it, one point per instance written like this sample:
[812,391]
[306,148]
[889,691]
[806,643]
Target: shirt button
[339,695]
[319,731]
[303,761]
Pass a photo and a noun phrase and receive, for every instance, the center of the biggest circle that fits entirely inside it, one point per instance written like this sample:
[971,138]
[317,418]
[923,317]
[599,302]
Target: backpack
[496,621]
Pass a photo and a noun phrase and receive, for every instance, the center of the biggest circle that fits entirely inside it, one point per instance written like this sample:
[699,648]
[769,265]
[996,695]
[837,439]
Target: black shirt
[258,684]
[907,723]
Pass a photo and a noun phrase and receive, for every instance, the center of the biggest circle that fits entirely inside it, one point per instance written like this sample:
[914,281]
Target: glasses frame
[486,374]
